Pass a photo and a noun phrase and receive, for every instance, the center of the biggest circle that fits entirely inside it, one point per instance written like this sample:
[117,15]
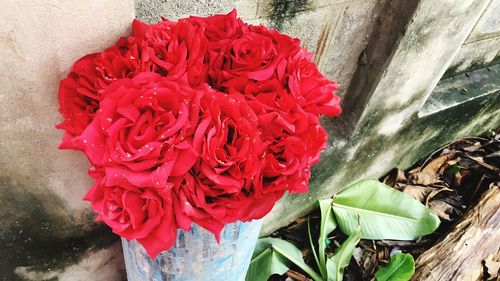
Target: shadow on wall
[41,237]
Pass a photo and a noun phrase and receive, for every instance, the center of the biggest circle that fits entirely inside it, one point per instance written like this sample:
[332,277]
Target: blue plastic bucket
[196,255]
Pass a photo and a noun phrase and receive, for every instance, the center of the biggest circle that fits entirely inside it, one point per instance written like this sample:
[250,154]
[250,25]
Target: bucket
[196,255]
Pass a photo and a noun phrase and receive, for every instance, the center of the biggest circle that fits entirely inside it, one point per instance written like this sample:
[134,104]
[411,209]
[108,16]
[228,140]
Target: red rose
[81,91]
[219,29]
[257,55]
[177,50]
[252,56]
[227,139]
[312,90]
[295,137]
[217,189]
[141,131]
[144,214]
[191,204]
[205,120]
[195,200]
[290,156]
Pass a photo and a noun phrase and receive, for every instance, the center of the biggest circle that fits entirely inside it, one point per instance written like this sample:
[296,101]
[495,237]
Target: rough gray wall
[46,229]
[482,46]
[406,56]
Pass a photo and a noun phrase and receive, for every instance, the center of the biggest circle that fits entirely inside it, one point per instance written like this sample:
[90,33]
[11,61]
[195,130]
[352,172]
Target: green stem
[314,250]
[322,246]
[301,265]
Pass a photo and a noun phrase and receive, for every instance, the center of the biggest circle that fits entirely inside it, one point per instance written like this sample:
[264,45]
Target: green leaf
[382,211]
[336,264]
[400,268]
[328,224]
[267,263]
[311,243]
[275,256]
[453,169]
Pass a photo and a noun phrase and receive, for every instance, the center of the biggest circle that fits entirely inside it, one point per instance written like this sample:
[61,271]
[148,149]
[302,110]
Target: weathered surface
[45,226]
[475,55]
[152,10]
[460,255]
[488,25]
[96,264]
[196,255]
[462,88]
[386,131]
[339,49]
[482,46]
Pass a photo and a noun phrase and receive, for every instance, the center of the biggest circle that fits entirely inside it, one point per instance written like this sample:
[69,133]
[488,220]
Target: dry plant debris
[448,182]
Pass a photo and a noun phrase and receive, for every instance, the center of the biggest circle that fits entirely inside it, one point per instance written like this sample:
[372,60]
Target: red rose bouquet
[205,120]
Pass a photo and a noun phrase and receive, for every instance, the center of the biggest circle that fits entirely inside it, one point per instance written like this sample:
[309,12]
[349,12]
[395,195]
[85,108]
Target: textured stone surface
[343,41]
[100,265]
[482,46]
[462,88]
[488,25]
[474,55]
[301,26]
[151,10]
[44,223]
[388,132]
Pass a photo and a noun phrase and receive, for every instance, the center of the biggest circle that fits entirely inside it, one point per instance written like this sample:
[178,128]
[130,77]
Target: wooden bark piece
[460,255]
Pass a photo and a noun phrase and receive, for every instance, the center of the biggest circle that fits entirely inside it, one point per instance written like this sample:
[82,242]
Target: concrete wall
[47,231]
[482,46]
[388,56]
[382,127]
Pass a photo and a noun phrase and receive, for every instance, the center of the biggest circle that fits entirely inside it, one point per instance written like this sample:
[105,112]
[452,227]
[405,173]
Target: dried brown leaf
[446,151]
[400,176]
[294,275]
[431,172]
[441,209]
[395,177]
[418,192]
[414,170]
[458,177]
[424,178]
[474,147]
[453,161]
[400,186]
[480,161]
[444,202]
